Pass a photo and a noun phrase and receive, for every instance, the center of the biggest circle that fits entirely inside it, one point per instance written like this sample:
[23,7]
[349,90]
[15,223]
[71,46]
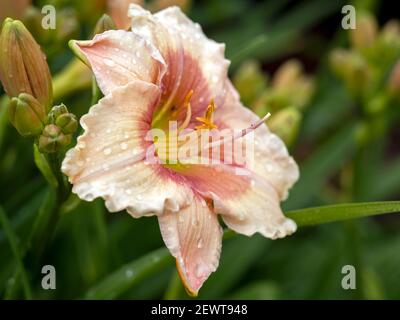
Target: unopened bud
[250,81]
[366,31]
[103,24]
[287,74]
[67,123]
[13,8]
[27,115]
[23,66]
[158,5]
[352,68]
[53,139]
[391,31]
[286,124]
[55,112]
[394,80]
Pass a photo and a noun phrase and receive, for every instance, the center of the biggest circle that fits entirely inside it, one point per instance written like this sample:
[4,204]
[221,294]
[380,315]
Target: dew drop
[109,62]
[124,146]
[200,270]
[107,151]
[129,273]
[200,243]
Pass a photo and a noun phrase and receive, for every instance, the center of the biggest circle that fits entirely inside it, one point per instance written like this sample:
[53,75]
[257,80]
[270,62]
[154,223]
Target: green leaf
[340,212]
[264,290]
[315,171]
[12,238]
[128,275]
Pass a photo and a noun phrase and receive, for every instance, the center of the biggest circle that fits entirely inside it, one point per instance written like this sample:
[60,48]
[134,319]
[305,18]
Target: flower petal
[108,160]
[118,57]
[247,203]
[271,175]
[194,61]
[194,238]
[272,160]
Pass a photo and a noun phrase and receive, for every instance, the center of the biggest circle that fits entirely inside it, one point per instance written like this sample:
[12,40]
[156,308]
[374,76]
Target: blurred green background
[334,95]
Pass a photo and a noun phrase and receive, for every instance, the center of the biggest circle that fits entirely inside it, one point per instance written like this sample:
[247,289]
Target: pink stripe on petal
[194,237]
[194,61]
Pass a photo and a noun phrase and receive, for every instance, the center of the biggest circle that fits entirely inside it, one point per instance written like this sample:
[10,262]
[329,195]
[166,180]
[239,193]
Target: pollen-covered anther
[207,122]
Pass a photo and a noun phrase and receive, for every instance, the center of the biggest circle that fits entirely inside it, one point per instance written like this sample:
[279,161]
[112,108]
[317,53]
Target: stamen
[207,122]
[186,122]
[241,133]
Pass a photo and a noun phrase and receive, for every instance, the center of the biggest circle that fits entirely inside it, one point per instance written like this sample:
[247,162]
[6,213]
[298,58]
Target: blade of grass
[12,238]
[341,212]
[321,165]
[128,275]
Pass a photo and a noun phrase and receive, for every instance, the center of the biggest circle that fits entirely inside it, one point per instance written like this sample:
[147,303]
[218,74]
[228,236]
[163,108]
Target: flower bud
[23,66]
[53,139]
[287,74]
[366,31]
[286,124]
[394,80]
[55,112]
[13,8]
[158,5]
[67,123]
[250,81]
[353,69]
[103,24]
[391,31]
[27,115]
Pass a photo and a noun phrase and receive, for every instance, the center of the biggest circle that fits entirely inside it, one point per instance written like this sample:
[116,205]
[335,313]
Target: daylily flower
[164,70]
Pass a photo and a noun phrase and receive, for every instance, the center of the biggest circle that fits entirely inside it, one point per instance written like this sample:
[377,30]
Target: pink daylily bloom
[164,70]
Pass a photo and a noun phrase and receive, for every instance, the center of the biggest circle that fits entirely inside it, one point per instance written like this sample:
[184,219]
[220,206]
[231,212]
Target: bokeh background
[335,99]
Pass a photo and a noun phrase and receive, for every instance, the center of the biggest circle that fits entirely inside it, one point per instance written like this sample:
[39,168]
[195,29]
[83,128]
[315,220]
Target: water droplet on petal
[200,270]
[107,151]
[200,243]
[109,62]
[124,146]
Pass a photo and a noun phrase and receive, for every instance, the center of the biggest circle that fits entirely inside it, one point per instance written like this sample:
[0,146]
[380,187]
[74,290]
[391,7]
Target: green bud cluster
[59,130]
[371,50]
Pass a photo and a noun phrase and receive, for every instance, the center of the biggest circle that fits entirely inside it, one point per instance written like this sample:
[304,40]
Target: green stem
[12,238]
